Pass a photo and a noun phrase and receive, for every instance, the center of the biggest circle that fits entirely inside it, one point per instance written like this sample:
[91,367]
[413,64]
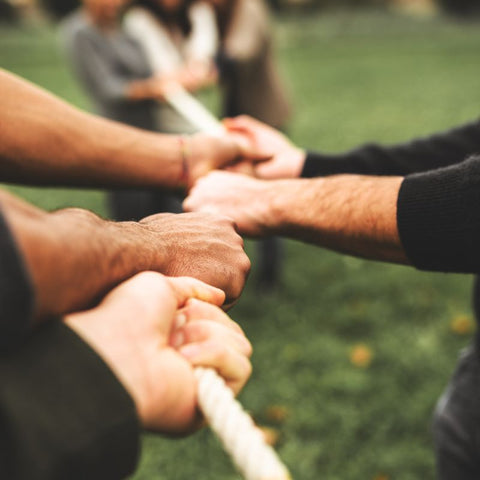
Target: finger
[236,168]
[265,170]
[198,310]
[242,121]
[185,288]
[247,144]
[227,306]
[208,331]
[243,168]
[234,127]
[199,204]
[234,367]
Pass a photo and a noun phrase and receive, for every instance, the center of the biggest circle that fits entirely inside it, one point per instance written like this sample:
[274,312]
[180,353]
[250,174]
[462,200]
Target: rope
[242,440]
[193,110]
[240,437]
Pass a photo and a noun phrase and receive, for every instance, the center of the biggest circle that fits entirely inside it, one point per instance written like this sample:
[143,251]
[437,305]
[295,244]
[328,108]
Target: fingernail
[177,339]
[180,320]
[189,351]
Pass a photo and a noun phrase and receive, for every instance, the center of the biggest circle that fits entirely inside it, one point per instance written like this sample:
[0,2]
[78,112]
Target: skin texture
[352,214]
[66,146]
[106,15]
[63,248]
[286,160]
[152,330]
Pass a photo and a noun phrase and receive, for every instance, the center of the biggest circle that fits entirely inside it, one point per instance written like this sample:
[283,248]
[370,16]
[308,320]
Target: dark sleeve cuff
[63,413]
[438,217]
[16,291]
[368,159]
[318,165]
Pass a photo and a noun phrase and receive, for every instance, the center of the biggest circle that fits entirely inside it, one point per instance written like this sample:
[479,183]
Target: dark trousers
[270,261]
[137,204]
[456,423]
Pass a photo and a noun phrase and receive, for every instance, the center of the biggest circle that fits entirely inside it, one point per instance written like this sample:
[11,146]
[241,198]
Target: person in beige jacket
[251,85]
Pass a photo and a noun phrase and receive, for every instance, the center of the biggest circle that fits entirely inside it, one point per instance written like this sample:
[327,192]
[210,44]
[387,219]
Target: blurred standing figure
[113,69]
[252,85]
[180,40]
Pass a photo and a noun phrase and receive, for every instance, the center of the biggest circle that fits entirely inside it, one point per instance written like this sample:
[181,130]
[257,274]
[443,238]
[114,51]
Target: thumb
[185,288]
[247,146]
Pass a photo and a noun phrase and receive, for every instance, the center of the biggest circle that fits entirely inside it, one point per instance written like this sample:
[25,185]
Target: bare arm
[43,140]
[75,257]
[349,213]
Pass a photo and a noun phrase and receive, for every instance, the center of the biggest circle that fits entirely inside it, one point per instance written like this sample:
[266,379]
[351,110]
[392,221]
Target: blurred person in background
[251,85]
[416,203]
[115,73]
[179,38]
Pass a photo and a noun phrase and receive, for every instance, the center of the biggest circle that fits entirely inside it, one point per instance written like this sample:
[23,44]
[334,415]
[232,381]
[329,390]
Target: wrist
[281,197]
[199,155]
[298,157]
[146,248]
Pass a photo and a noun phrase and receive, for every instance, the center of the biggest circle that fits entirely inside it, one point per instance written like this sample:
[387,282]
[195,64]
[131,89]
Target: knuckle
[149,282]
[247,369]
[246,264]
[219,353]
[196,331]
[236,327]
[226,222]
[248,347]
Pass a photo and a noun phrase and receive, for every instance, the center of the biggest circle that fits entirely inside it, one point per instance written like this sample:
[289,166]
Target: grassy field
[353,77]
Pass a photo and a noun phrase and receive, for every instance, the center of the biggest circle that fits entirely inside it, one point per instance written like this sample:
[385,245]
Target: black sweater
[438,208]
[63,413]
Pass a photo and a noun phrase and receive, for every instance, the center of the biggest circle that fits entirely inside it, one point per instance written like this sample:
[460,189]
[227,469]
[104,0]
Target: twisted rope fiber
[240,437]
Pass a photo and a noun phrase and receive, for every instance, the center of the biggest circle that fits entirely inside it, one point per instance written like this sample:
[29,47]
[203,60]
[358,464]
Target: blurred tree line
[9,9]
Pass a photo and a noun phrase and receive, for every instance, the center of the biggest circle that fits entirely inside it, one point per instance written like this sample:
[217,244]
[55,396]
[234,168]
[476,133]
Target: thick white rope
[242,440]
[192,110]
[240,437]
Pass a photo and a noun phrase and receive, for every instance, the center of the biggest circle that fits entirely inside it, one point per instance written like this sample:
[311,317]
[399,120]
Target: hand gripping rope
[242,440]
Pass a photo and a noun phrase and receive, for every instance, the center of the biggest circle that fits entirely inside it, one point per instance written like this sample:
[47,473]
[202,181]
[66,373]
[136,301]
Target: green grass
[353,77]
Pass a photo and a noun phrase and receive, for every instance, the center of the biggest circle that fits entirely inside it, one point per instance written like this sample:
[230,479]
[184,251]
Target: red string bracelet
[184,152]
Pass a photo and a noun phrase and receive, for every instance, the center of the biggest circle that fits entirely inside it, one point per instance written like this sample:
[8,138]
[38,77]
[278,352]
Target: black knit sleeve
[63,414]
[420,155]
[438,217]
[16,291]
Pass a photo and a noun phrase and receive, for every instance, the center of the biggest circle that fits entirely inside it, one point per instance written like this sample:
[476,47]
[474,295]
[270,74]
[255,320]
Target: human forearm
[70,147]
[429,219]
[349,213]
[73,256]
